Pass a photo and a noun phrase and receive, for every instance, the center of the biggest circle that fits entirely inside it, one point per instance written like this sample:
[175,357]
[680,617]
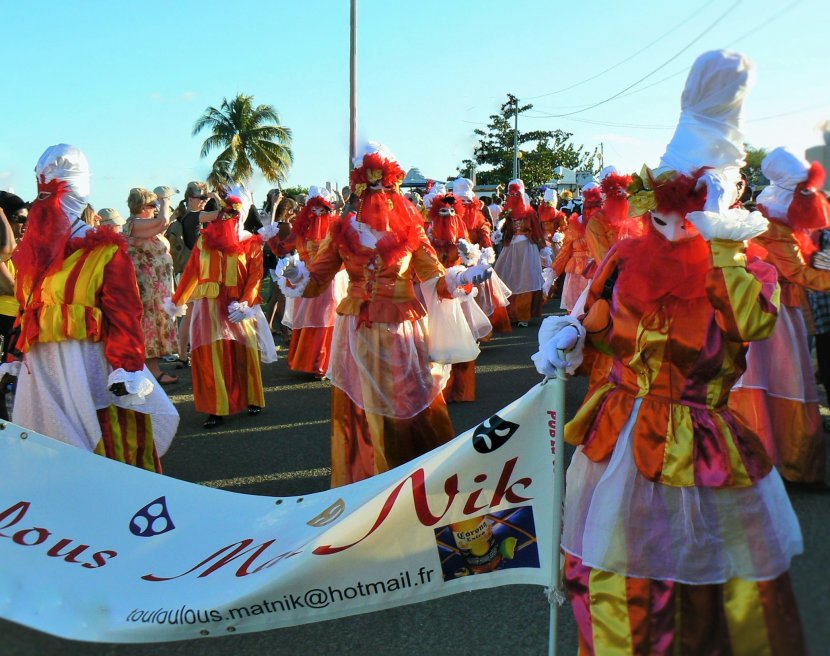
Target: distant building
[565,179]
[821,154]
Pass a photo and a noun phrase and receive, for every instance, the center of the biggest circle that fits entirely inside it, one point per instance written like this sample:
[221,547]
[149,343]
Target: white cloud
[189,95]
[156,95]
[5,175]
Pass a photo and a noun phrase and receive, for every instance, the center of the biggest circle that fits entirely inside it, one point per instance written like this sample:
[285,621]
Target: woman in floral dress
[153,263]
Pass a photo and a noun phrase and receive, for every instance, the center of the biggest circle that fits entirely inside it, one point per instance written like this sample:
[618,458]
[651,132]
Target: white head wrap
[709,132]
[69,164]
[373,147]
[550,195]
[608,170]
[463,188]
[238,189]
[785,170]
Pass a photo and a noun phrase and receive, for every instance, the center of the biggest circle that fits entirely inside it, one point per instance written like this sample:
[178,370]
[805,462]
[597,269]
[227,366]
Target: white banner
[96,550]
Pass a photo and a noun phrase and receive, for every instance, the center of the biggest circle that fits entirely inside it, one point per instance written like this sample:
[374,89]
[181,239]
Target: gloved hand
[475,274]
[546,254]
[238,311]
[720,192]
[119,389]
[291,272]
[560,346]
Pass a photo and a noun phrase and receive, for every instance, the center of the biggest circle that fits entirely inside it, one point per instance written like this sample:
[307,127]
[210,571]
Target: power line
[627,59]
[660,67]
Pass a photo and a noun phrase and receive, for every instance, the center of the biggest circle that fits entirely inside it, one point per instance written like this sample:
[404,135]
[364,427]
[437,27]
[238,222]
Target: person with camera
[149,251]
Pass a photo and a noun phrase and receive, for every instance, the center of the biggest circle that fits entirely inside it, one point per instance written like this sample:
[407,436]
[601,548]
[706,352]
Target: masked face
[672,226]
[446,211]
[317,210]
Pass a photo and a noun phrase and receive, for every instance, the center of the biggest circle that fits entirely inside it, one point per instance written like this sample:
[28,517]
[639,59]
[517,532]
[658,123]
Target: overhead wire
[660,67]
[627,59]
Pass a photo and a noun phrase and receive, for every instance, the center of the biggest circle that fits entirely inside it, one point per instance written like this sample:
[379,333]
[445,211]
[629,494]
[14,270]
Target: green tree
[752,170]
[248,136]
[541,151]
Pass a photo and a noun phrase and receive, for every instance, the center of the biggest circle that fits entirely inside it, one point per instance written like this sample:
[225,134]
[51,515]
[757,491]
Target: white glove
[561,339]
[289,268]
[496,236]
[720,192]
[475,274]
[239,311]
[172,310]
[546,254]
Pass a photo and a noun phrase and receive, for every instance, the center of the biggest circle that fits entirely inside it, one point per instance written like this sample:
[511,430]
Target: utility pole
[601,156]
[515,102]
[353,84]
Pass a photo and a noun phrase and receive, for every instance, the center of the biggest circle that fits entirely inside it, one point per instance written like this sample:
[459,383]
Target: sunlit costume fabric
[447,228]
[572,260]
[387,405]
[678,532]
[311,319]
[81,328]
[519,264]
[493,295]
[777,395]
[225,355]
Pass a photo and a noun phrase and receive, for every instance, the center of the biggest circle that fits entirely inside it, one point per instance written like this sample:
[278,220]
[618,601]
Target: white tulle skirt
[385,368]
[619,521]
[781,364]
[519,266]
[61,386]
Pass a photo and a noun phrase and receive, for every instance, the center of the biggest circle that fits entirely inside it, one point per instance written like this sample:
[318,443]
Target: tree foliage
[752,170]
[248,136]
[541,151]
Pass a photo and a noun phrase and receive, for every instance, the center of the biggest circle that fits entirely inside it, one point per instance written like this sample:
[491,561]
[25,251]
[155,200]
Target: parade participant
[519,264]
[493,296]
[83,379]
[553,220]
[228,332]
[574,257]
[678,533]
[777,395]
[447,231]
[611,222]
[387,406]
[312,319]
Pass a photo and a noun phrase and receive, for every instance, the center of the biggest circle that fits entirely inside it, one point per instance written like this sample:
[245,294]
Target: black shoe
[213,421]
[254,409]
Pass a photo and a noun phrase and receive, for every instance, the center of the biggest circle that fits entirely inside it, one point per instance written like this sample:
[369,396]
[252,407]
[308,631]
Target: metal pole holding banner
[556,596]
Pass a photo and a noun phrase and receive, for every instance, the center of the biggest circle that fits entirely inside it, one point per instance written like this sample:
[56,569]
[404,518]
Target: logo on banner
[153,519]
[329,515]
[492,434]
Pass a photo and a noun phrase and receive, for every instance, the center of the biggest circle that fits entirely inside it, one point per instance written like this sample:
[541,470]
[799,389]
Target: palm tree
[248,135]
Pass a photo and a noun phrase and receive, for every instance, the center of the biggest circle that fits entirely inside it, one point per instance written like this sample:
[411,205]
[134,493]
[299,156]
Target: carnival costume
[777,395]
[519,265]
[678,533]
[311,319]
[229,335]
[449,237]
[493,296]
[574,258]
[83,379]
[553,220]
[387,405]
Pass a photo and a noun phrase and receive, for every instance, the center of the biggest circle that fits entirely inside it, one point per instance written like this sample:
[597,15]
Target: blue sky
[125,81]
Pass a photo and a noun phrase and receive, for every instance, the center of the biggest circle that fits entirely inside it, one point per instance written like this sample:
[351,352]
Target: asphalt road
[285,452]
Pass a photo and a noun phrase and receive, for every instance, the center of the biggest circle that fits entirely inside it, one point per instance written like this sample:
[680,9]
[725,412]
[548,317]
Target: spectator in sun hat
[111,217]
